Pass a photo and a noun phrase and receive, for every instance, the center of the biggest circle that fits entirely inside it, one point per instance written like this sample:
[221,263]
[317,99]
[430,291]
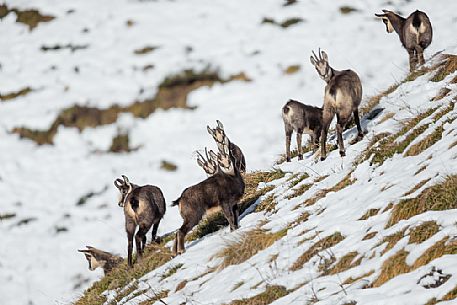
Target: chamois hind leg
[359,128]
[412,60]
[140,241]
[327,117]
[288,137]
[299,137]
[154,231]
[130,227]
[181,234]
[420,55]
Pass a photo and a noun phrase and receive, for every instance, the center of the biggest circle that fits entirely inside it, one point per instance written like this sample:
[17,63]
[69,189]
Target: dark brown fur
[301,118]
[144,206]
[415,33]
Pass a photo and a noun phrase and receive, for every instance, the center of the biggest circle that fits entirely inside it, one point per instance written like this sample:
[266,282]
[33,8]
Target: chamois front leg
[227,210]
[130,248]
[299,137]
[315,139]
[154,232]
[236,215]
[412,60]
[327,116]
[420,55]
[359,127]
[288,137]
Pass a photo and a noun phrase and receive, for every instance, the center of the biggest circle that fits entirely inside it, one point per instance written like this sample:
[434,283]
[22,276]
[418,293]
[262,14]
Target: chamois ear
[219,124]
[324,56]
[118,183]
[126,181]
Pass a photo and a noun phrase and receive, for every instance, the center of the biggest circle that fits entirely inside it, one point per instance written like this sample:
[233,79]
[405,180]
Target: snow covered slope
[60,197]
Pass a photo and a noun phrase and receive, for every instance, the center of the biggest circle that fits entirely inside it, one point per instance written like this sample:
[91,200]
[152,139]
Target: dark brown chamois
[415,33]
[236,154]
[301,118]
[98,258]
[222,190]
[144,206]
[342,97]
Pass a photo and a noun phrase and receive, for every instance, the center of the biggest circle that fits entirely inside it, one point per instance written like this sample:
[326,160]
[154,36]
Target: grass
[248,245]
[427,142]
[69,46]
[423,167]
[346,9]
[391,240]
[145,50]
[31,18]
[322,244]
[393,267]
[417,186]
[439,197]
[172,93]
[448,67]
[120,143]
[12,95]
[154,256]
[297,179]
[6,216]
[168,166]
[369,235]
[351,280]
[423,232]
[271,294]
[345,263]
[154,298]
[237,285]
[292,69]
[369,213]
[300,219]
[284,24]
[268,204]
[171,271]
[299,191]
[217,220]
[374,101]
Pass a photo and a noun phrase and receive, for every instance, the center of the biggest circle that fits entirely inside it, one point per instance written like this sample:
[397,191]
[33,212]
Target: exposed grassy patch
[369,213]
[283,24]
[345,263]
[292,69]
[300,219]
[417,186]
[322,244]
[172,93]
[145,50]
[427,142]
[392,240]
[57,47]
[171,271]
[439,197]
[156,296]
[181,285]
[372,102]
[237,285]
[252,242]
[216,221]
[423,167]
[270,294]
[267,205]
[370,235]
[12,95]
[297,179]
[416,73]
[346,9]
[351,280]
[453,144]
[392,267]
[299,191]
[449,66]
[168,166]
[423,232]
[31,18]
[118,278]
[123,292]
[120,143]
[441,94]
[443,247]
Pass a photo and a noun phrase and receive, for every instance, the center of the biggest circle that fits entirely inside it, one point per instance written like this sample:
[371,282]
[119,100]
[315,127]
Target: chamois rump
[415,33]
[301,118]
[224,189]
[236,154]
[98,258]
[342,97]
[144,206]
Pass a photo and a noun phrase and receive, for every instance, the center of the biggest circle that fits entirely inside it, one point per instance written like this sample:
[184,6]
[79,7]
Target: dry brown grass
[369,213]
[439,197]
[423,232]
[370,235]
[424,167]
[156,296]
[292,69]
[345,263]
[271,294]
[248,245]
[267,205]
[449,66]
[351,280]
[154,256]
[12,95]
[299,191]
[393,267]
[443,247]
[145,50]
[322,244]
[417,186]
[372,102]
[300,219]
[284,24]
[441,94]
[392,240]
[31,18]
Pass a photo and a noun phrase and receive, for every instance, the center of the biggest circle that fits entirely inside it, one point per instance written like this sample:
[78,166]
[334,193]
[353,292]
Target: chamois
[144,206]
[342,97]
[209,164]
[415,33]
[301,118]
[236,154]
[98,258]
[224,189]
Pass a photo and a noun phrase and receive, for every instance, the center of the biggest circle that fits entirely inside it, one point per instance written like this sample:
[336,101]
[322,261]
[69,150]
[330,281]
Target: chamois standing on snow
[144,206]
[98,258]
[415,33]
[342,97]
[301,118]
[209,164]
[224,189]
[236,154]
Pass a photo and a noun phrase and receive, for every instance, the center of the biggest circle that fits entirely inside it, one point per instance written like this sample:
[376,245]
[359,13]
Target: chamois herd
[144,206]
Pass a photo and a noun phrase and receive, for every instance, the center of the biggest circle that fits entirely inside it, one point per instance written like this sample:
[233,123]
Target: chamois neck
[397,23]
[329,75]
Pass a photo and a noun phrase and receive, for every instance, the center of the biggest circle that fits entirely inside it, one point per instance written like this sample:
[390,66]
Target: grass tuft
[12,95]
[168,166]
[423,232]
[284,24]
[31,18]
[393,267]
[271,294]
[369,213]
[448,67]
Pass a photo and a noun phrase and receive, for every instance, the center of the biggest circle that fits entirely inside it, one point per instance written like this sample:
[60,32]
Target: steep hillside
[377,227]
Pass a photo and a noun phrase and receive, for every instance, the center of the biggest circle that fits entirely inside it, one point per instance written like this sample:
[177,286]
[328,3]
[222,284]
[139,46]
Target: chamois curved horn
[380,15]
[219,124]
[213,155]
[315,56]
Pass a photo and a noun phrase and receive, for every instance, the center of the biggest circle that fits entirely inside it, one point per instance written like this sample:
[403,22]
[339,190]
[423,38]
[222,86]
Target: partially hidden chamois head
[218,133]
[224,160]
[125,188]
[209,164]
[93,259]
[321,64]
[385,18]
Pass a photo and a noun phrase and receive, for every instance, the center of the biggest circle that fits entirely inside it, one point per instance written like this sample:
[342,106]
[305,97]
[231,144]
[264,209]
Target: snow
[40,266]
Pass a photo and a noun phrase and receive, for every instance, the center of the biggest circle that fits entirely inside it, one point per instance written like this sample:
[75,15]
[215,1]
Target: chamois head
[218,133]
[224,160]
[385,18]
[209,164]
[125,188]
[93,259]
[321,64]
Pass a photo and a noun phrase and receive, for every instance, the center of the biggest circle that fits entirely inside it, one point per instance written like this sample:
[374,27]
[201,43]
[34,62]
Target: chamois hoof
[322,158]
[300,157]
[342,153]
[287,159]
